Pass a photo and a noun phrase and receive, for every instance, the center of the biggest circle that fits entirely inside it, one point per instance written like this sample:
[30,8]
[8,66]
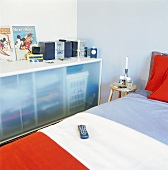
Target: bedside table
[121,89]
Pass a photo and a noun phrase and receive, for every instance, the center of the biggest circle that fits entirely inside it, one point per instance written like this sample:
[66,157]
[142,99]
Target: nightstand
[120,89]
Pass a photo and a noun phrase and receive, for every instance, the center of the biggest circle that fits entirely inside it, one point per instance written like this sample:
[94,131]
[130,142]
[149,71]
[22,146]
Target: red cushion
[157,76]
[161,93]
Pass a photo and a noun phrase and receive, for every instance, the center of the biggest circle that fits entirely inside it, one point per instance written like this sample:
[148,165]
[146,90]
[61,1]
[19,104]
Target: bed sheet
[136,111]
[110,145]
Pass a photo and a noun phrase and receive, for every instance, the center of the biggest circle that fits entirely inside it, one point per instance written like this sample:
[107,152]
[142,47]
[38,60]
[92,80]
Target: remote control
[83,132]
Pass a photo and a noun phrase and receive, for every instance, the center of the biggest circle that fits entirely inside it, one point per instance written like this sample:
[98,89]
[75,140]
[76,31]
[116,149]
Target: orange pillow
[157,76]
[161,93]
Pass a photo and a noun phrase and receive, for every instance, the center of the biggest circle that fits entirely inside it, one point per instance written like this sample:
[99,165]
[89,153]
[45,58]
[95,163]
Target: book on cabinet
[24,39]
[7,50]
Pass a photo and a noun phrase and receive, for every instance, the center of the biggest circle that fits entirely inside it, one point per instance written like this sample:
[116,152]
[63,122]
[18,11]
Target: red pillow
[157,76]
[162,92]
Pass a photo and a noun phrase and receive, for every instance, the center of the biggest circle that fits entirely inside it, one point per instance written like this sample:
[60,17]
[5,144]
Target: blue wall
[120,28]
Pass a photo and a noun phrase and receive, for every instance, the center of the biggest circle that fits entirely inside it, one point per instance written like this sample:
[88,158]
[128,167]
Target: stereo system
[63,49]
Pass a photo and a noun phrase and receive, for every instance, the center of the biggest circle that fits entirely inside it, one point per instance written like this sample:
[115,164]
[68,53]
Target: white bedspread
[110,146]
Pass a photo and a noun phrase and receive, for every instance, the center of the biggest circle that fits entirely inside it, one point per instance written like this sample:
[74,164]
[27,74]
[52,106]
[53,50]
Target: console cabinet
[34,95]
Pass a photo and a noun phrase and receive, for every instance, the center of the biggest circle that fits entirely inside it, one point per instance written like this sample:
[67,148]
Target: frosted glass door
[93,86]
[48,90]
[27,101]
[11,121]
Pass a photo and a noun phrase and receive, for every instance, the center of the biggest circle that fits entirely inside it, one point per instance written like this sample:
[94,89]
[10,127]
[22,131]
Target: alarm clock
[93,52]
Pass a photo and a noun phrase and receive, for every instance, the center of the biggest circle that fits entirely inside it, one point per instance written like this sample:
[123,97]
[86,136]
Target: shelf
[24,66]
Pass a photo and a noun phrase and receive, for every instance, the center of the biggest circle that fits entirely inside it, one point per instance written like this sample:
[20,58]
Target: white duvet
[110,146]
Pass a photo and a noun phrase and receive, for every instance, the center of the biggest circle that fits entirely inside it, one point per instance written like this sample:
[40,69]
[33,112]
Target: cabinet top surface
[24,66]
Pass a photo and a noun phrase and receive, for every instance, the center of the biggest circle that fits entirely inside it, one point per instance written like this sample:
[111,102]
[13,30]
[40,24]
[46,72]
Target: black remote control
[83,132]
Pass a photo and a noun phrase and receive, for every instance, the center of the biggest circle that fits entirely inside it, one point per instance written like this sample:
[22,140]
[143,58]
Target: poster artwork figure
[7,52]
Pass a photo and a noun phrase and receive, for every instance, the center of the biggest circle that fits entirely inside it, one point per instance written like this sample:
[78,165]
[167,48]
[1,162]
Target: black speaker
[48,50]
[75,45]
[68,49]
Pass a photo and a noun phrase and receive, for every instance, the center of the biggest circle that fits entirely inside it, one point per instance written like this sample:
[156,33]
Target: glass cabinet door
[27,101]
[93,86]
[49,98]
[82,87]
[11,120]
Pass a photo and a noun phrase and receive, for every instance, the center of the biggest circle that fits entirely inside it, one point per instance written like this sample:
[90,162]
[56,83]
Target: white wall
[53,19]
[120,28]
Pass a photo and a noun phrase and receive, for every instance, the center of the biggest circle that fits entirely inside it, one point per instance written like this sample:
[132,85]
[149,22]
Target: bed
[126,133]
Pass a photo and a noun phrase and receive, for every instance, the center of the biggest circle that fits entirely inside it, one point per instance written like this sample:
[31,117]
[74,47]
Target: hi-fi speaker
[48,50]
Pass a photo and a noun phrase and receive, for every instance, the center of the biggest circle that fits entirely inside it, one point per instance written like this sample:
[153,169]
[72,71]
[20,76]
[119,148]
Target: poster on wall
[24,40]
[7,50]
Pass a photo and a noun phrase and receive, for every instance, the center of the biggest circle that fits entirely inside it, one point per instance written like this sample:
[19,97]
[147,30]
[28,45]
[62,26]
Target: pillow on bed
[158,72]
[162,92]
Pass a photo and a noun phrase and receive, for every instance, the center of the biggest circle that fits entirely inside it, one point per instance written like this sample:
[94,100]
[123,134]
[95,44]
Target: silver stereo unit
[60,54]
[59,45]
[79,45]
[63,49]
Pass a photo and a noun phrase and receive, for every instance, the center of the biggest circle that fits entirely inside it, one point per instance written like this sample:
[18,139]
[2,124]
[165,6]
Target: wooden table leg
[125,93]
[119,94]
[111,95]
